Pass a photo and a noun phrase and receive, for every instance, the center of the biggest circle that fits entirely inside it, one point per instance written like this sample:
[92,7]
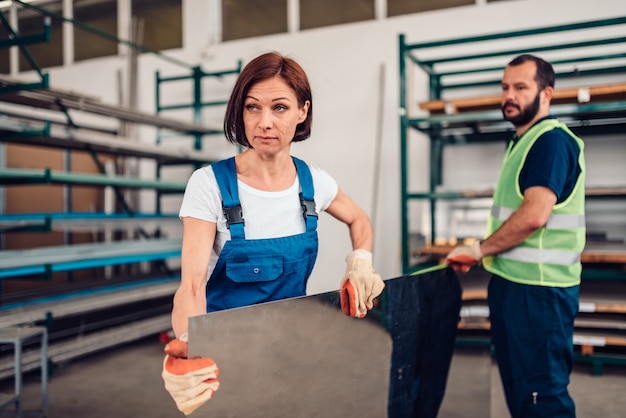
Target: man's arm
[532,215]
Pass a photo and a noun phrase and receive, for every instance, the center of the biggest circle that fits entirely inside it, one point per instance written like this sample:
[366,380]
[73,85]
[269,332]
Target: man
[535,235]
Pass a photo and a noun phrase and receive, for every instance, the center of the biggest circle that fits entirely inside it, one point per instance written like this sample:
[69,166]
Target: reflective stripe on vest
[554,222]
[541,256]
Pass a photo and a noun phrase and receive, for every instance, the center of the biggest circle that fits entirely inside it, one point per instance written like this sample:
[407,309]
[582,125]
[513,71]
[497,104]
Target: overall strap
[226,175]
[306,194]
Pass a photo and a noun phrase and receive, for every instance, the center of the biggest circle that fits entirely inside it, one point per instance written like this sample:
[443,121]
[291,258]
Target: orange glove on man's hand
[191,382]
[464,257]
[360,285]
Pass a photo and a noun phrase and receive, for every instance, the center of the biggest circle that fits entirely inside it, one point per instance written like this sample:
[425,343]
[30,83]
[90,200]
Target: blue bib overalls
[261,270]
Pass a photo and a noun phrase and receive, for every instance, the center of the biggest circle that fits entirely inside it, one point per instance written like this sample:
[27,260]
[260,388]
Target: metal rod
[517,33]
[584,44]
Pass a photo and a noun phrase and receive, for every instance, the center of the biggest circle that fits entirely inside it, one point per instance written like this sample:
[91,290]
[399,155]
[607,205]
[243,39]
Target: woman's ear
[304,111]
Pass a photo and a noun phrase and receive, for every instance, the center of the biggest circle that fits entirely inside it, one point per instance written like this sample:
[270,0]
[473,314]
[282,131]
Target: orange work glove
[360,286]
[190,382]
[464,257]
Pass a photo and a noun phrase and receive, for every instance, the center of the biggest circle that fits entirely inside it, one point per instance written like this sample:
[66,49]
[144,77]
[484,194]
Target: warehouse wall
[346,65]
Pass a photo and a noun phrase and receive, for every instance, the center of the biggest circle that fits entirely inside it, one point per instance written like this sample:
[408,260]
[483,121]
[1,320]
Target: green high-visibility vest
[551,255]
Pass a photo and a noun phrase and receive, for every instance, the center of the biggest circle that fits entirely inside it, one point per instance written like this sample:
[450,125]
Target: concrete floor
[126,382]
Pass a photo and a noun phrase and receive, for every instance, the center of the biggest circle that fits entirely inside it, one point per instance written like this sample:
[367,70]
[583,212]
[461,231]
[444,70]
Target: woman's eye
[280,108]
[250,107]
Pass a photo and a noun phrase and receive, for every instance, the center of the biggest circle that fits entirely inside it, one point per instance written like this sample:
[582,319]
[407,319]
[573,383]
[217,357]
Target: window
[249,18]
[48,54]
[402,7]
[100,14]
[318,13]
[162,22]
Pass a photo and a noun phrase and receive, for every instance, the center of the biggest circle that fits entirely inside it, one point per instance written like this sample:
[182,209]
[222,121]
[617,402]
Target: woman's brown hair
[261,68]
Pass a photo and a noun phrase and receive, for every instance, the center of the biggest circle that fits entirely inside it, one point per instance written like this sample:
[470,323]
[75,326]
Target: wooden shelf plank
[604,253]
[601,323]
[581,338]
[474,294]
[593,253]
[586,305]
[594,94]
[602,115]
[598,339]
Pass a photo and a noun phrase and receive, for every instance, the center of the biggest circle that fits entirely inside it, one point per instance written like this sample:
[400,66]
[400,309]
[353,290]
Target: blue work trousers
[532,329]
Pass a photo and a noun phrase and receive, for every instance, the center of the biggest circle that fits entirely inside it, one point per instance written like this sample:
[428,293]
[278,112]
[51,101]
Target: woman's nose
[265,121]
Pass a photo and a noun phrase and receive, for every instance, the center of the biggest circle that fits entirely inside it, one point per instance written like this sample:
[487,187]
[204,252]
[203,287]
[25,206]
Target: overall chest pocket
[255,269]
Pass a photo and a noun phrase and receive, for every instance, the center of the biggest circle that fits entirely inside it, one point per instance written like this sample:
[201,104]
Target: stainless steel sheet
[287,357]
[303,357]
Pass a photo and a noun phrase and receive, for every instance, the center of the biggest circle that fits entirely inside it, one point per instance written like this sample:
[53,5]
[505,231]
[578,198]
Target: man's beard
[525,115]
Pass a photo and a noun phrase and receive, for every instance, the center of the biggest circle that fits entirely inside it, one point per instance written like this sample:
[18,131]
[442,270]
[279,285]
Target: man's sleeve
[552,162]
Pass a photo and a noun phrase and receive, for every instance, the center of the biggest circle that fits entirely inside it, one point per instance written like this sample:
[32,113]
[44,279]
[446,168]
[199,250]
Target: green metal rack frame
[197,104]
[484,126]
[21,41]
[24,129]
[448,74]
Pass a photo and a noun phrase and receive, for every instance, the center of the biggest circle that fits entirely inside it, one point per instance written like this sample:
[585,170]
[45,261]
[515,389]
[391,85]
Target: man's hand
[191,382]
[464,257]
[360,285]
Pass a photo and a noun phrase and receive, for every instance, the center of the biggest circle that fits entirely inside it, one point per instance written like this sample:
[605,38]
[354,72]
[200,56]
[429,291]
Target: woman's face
[271,114]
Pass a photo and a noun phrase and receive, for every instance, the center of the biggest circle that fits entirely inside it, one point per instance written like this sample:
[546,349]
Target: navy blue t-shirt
[552,162]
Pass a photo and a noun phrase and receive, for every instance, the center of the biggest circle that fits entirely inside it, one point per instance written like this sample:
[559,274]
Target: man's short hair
[545,73]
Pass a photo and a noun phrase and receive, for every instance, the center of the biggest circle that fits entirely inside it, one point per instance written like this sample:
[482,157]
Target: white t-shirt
[266,214]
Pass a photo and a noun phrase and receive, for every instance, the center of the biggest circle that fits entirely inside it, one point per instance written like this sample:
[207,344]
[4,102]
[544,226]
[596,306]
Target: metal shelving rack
[121,309]
[597,54]
[487,125]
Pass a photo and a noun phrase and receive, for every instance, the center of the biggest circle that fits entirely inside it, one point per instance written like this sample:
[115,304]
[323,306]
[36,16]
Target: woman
[258,213]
